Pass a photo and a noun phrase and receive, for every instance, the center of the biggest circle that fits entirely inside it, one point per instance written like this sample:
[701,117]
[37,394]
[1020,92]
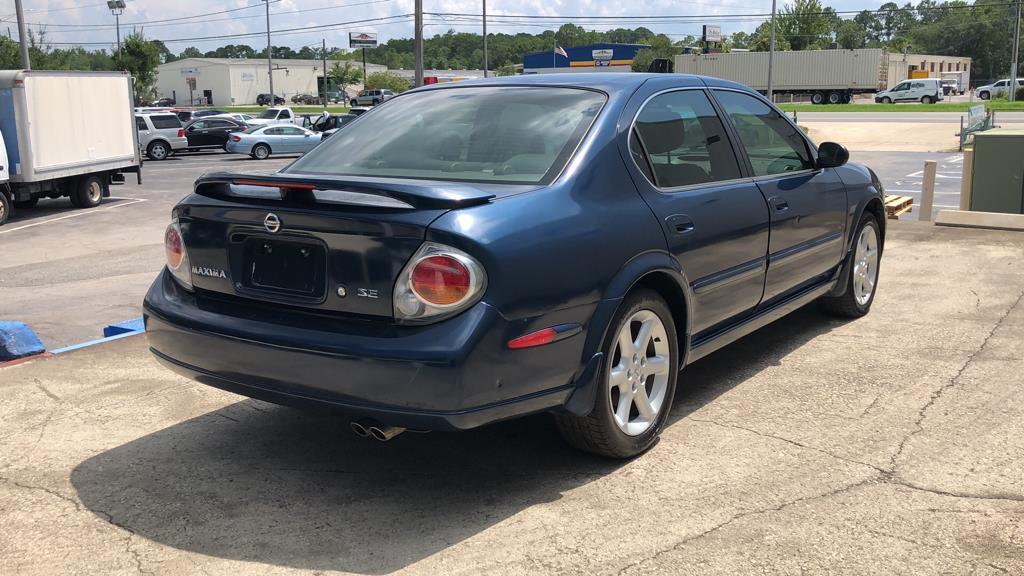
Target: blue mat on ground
[18,340]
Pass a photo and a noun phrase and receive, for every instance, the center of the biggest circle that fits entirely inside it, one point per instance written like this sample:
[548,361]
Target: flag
[560,50]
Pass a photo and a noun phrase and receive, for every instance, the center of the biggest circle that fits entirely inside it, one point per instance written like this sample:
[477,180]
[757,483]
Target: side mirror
[832,155]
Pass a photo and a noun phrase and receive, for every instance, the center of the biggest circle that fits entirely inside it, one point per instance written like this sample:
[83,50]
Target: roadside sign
[362,39]
[193,72]
[975,115]
[602,55]
[712,33]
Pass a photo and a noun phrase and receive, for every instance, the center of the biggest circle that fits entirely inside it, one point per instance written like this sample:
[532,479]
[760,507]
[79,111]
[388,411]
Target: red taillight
[173,247]
[236,138]
[538,338]
[181,133]
[441,280]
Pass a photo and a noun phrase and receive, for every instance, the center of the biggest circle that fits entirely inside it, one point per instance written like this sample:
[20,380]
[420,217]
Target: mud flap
[582,400]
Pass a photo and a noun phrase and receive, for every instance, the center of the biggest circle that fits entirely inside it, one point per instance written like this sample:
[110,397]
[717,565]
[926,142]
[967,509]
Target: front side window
[487,134]
[198,125]
[773,144]
[165,121]
[269,114]
[1001,83]
[684,140]
[286,114]
[901,87]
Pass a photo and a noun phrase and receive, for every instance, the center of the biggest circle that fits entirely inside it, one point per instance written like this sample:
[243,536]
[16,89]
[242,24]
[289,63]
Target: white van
[923,90]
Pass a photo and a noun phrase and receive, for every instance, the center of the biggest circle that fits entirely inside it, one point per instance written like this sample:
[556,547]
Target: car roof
[609,82]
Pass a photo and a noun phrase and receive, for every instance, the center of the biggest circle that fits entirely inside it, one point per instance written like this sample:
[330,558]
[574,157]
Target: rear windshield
[484,134]
[165,121]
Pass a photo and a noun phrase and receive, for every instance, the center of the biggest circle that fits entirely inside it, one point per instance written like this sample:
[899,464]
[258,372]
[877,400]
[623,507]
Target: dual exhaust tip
[367,428]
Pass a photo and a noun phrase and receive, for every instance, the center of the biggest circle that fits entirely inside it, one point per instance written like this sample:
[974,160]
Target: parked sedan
[211,132]
[261,142]
[476,252]
[208,112]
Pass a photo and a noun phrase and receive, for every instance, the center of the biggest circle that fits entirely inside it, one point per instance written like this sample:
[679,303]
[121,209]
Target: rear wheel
[354,103]
[818,98]
[926,100]
[835,98]
[261,151]
[158,150]
[23,204]
[89,192]
[862,277]
[847,98]
[636,385]
[376,101]
[5,208]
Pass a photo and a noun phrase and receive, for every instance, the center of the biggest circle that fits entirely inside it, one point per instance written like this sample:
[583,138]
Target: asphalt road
[952,118]
[68,273]
[892,444]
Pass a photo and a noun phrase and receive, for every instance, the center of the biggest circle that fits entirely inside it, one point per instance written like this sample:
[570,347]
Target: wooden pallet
[896,205]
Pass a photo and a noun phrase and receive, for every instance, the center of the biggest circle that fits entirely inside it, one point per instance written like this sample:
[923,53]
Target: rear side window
[773,144]
[140,123]
[684,140]
[165,121]
[485,134]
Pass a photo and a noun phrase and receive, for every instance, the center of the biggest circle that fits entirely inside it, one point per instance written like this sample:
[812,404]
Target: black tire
[847,305]
[376,101]
[5,208]
[926,100]
[886,100]
[598,432]
[158,150]
[260,152]
[835,98]
[89,192]
[818,98]
[26,204]
[984,95]
[847,98]
[353,103]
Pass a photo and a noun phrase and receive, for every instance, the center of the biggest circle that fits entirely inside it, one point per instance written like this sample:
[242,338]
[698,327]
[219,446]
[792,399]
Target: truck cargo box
[861,70]
[57,124]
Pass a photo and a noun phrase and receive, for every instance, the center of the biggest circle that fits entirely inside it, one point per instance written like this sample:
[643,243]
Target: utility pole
[771,54]
[23,35]
[485,38]
[1016,53]
[418,42]
[270,58]
[323,55]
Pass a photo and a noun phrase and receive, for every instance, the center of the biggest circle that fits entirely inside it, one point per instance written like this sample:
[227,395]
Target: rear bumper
[453,375]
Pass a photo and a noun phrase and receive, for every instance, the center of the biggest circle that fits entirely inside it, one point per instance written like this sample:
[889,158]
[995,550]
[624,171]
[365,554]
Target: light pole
[22,35]
[117,8]
[485,38]
[771,53]
[418,41]
[270,58]
[1016,50]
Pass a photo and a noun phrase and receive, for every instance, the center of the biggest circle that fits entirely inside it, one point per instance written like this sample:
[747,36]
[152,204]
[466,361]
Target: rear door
[807,205]
[714,218]
[197,134]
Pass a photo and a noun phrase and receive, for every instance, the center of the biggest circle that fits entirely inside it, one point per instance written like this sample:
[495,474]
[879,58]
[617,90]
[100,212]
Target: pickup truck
[64,134]
[279,115]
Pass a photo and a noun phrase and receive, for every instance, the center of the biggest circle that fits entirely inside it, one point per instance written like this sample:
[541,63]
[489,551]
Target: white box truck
[825,76]
[64,134]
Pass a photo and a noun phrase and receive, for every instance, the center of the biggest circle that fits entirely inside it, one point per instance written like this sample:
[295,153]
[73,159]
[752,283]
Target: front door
[807,204]
[715,220]
[901,92]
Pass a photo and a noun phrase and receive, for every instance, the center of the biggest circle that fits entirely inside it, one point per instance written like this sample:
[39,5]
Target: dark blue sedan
[479,251]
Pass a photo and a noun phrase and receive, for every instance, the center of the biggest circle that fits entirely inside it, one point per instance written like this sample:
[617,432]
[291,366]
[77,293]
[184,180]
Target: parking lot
[887,445]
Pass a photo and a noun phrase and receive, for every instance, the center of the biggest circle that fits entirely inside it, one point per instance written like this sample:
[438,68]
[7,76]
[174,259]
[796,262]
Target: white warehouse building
[235,82]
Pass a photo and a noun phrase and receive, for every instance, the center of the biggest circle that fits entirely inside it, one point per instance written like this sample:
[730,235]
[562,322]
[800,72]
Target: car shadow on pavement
[263,483]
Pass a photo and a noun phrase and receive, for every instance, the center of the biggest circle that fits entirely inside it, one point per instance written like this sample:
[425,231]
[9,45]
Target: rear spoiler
[313,190]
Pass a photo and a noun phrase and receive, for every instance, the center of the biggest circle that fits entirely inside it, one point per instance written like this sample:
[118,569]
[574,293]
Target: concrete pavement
[893,444]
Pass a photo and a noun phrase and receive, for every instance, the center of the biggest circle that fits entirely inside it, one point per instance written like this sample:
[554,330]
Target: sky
[184,23]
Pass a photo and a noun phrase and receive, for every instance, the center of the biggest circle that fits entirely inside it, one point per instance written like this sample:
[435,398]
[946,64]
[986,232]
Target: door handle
[779,203]
[680,224]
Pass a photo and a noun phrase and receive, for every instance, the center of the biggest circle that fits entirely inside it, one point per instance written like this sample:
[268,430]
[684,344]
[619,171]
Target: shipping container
[826,76]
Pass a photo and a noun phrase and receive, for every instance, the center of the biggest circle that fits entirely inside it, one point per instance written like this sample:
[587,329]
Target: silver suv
[160,135]
[371,97]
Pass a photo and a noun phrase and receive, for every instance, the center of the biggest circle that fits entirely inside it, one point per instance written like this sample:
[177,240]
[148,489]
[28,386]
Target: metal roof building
[237,81]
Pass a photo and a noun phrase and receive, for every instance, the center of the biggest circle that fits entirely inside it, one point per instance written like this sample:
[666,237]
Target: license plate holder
[285,266]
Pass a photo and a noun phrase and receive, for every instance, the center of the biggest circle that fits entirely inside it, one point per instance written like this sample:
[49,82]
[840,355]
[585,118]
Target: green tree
[761,40]
[190,52]
[140,58]
[739,40]
[660,47]
[506,70]
[851,34]
[805,24]
[345,74]
[386,81]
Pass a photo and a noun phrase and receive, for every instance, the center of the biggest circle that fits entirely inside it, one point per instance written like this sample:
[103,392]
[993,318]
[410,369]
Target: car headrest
[661,130]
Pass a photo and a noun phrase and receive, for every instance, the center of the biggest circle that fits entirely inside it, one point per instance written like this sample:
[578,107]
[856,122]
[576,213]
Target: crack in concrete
[136,555]
[923,411]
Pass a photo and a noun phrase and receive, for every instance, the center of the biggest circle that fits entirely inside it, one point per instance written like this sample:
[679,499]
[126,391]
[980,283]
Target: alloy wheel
[639,374]
[865,265]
